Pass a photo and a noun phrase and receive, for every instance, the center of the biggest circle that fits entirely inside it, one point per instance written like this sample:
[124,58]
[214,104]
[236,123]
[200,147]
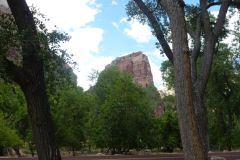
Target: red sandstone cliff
[137,65]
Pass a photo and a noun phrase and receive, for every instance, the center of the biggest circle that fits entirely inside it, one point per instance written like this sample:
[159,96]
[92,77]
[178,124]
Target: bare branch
[235,3]
[190,30]
[196,49]
[205,17]
[157,29]
[221,18]
[213,4]
[210,40]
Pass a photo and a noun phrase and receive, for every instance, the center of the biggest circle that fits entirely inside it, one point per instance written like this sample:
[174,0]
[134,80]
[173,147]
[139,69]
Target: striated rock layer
[136,65]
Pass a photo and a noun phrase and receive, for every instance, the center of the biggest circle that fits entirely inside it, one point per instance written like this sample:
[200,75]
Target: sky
[100,32]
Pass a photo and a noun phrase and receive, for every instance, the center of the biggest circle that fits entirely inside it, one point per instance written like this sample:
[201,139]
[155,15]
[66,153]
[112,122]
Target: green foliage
[13,105]
[168,74]
[167,131]
[8,136]
[71,116]
[124,117]
[57,70]
[223,99]
[153,95]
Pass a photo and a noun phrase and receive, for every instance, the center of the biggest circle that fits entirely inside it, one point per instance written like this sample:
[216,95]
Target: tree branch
[205,17]
[26,27]
[196,49]
[157,29]
[235,3]
[213,4]
[14,72]
[221,18]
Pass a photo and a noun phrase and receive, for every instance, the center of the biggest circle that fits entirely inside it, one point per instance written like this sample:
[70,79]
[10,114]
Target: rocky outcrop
[136,65]
[4,7]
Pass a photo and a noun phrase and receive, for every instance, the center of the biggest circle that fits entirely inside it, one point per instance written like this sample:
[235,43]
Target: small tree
[71,116]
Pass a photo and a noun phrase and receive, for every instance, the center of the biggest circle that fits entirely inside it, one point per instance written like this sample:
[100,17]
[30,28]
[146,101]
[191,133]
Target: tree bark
[30,77]
[39,111]
[201,116]
[190,84]
[194,148]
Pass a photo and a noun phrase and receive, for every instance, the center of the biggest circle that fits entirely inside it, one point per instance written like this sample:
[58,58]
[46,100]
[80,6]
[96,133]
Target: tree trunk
[201,116]
[193,145]
[189,88]
[39,111]
[230,127]
[30,77]
[1,151]
[17,151]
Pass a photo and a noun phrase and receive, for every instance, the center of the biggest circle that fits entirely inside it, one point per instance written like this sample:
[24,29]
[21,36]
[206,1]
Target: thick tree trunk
[201,116]
[39,111]
[192,141]
[189,88]
[30,77]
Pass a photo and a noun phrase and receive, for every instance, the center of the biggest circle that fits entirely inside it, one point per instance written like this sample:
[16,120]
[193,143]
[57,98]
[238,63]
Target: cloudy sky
[99,33]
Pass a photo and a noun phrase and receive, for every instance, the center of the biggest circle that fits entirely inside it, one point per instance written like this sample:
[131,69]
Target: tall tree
[29,75]
[223,98]
[190,81]
[124,119]
[71,116]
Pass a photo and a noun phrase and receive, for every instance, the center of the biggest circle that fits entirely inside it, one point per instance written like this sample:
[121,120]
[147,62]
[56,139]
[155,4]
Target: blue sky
[100,32]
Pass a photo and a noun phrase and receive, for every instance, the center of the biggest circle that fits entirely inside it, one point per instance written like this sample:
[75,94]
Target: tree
[124,118]
[167,131]
[8,136]
[190,80]
[14,111]
[153,95]
[29,75]
[71,115]
[223,98]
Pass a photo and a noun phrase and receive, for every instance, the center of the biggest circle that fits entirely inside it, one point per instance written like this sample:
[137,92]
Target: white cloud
[124,20]
[158,56]
[86,67]
[233,18]
[85,45]
[157,76]
[68,14]
[138,31]
[114,2]
[115,25]
[155,60]
[85,42]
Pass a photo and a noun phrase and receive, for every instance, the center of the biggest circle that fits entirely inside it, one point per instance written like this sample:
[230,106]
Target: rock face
[136,65]
[4,7]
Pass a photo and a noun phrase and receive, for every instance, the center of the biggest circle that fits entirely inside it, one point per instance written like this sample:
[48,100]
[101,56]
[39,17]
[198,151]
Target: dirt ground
[226,155]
